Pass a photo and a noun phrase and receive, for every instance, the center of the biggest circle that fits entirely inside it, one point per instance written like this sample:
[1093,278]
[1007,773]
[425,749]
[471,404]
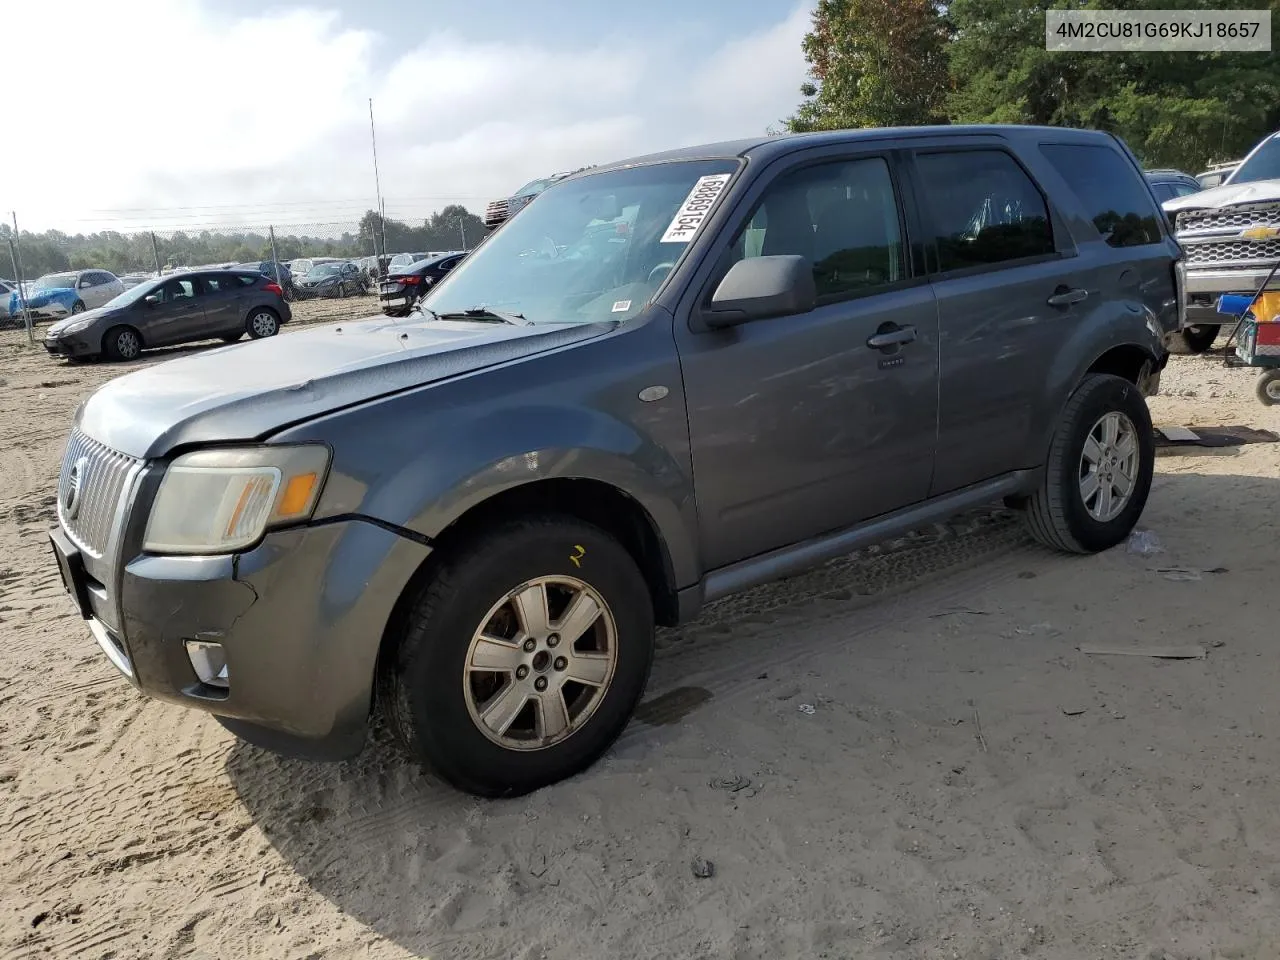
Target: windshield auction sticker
[695,208]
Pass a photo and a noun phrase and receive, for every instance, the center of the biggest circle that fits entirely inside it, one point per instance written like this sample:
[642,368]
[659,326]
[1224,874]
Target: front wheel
[262,323]
[522,658]
[77,307]
[1194,340]
[1099,469]
[122,343]
[1267,387]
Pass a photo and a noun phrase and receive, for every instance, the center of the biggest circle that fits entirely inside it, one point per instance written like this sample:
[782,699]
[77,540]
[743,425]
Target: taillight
[272,287]
[409,281]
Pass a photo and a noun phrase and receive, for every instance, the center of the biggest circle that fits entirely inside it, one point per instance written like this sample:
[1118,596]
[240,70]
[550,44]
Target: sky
[185,114]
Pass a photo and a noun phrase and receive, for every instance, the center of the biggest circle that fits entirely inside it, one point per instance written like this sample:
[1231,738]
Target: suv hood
[251,390]
[1227,195]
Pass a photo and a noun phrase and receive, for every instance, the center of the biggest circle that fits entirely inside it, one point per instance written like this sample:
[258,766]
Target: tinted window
[984,209]
[245,280]
[221,284]
[1163,191]
[1181,189]
[841,217]
[1109,189]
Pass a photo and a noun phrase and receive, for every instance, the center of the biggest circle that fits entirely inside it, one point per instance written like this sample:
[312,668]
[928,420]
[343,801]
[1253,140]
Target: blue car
[58,295]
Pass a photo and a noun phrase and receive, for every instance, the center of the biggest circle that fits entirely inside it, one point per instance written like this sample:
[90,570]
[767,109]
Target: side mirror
[762,287]
[151,300]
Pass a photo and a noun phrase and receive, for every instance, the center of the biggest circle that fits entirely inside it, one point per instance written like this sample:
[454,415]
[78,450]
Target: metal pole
[155,252]
[462,229]
[15,248]
[22,297]
[275,260]
[377,180]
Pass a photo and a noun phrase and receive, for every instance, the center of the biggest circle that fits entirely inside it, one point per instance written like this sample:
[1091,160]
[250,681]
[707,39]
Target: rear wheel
[1194,340]
[1098,473]
[122,343]
[262,323]
[521,660]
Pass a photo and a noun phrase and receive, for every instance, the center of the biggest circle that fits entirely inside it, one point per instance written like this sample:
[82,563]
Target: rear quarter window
[246,280]
[1112,193]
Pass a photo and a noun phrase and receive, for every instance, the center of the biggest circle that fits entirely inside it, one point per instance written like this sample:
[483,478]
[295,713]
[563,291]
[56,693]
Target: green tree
[874,63]
[1173,109]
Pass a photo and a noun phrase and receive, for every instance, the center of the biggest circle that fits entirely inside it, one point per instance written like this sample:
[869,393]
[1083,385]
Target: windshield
[1264,164]
[324,270]
[56,281]
[134,294]
[593,248]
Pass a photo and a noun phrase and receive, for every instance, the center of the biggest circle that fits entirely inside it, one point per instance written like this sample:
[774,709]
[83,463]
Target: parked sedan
[340,279]
[57,295]
[177,308]
[403,286]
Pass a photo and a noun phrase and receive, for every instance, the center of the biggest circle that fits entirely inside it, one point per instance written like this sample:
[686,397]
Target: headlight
[75,326]
[220,501]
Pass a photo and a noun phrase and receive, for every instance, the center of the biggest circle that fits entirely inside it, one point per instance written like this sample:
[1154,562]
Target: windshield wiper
[485,315]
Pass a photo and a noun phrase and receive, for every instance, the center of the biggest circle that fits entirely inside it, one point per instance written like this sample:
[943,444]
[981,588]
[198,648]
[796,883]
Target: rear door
[223,301]
[1009,289]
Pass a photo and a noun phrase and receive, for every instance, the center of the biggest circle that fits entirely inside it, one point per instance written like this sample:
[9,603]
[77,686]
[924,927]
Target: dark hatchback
[178,308]
[404,286]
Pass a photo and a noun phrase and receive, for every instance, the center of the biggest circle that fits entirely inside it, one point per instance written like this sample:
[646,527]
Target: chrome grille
[1256,216]
[1229,252]
[90,486]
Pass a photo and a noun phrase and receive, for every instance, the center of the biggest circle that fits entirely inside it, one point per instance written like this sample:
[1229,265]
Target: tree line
[881,63]
[126,252]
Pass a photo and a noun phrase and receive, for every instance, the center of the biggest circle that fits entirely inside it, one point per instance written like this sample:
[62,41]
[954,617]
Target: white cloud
[170,113]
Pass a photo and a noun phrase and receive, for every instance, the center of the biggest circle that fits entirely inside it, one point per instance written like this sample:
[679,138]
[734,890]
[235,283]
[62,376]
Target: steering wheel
[660,267]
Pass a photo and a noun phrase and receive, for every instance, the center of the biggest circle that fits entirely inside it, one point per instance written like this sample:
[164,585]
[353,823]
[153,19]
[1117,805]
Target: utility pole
[462,229]
[155,252]
[377,180]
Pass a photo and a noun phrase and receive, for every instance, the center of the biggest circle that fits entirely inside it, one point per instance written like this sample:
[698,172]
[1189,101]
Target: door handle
[1065,296]
[891,335]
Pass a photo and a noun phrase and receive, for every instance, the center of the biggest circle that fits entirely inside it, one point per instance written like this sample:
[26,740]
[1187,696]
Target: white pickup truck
[1231,237]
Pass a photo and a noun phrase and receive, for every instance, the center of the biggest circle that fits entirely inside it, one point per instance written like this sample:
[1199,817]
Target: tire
[433,704]
[1194,340]
[122,343]
[77,307]
[262,322]
[1267,387]
[231,337]
[1059,514]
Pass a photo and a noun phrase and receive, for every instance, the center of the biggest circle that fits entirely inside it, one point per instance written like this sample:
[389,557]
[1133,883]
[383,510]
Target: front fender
[504,451]
[1107,327]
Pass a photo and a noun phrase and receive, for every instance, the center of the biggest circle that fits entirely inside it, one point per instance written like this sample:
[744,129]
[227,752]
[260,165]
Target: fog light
[209,661]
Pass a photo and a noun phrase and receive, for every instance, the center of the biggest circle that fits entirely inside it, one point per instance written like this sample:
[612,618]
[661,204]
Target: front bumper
[300,619]
[79,344]
[1205,286]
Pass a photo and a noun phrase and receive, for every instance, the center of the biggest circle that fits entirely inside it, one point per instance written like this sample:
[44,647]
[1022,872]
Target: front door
[177,316]
[805,424]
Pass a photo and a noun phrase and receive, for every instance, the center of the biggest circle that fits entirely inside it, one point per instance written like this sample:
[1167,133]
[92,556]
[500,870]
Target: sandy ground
[902,755]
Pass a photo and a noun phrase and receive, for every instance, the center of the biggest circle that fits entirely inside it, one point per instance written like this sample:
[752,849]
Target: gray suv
[772,352]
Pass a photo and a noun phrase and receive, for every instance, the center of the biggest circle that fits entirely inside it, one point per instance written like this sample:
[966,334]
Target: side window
[177,290]
[220,284]
[1110,190]
[245,280]
[1183,189]
[842,217]
[1163,191]
[87,280]
[985,209]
